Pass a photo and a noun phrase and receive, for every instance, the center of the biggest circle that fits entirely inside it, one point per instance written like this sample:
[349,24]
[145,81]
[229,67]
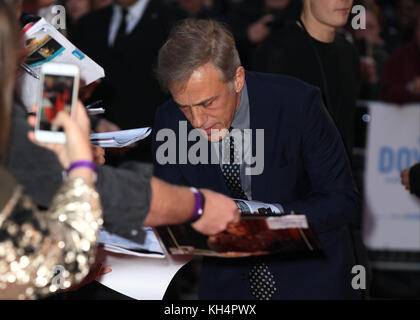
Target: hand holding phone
[77,146]
[59,86]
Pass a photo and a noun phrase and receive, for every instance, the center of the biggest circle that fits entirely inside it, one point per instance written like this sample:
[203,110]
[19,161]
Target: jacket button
[243,277]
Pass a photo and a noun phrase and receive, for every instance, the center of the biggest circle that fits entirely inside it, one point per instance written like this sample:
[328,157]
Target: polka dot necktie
[231,171]
[261,279]
[262,282]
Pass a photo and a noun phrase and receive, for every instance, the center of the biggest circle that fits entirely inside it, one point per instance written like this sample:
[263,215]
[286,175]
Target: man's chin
[213,138]
[215,135]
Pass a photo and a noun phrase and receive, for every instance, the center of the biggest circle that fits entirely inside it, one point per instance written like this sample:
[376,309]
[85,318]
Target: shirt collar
[136,10]
[241,117]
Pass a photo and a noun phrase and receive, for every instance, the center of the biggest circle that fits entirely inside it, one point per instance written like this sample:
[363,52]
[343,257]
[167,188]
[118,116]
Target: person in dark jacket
[253,21]
[401,75]
[303,165]
[310,49]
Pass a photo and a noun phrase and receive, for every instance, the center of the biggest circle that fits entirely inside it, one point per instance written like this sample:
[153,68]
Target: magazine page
[251,207]
[253,235]
[47,44]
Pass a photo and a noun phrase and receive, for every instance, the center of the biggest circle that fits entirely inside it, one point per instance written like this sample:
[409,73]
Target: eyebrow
[197,104]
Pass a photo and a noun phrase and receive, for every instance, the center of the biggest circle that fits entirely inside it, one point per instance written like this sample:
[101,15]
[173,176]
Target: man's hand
[415,86]
[85,91]
[258,31]
[219,212]
[405,178]
[98,154]
[77,146]
[106,126]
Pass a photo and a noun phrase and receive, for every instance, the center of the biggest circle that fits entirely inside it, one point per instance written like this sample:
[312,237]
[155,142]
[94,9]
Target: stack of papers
[114,243]
[95,111]
[140,271]
[119,139]
[141,278]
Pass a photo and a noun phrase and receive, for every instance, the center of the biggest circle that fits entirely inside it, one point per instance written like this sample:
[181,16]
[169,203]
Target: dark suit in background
[305,169]
[130,91]
[289,51]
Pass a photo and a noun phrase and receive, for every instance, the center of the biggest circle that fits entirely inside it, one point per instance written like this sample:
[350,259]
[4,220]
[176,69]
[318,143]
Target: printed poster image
[42,48]
[56,97]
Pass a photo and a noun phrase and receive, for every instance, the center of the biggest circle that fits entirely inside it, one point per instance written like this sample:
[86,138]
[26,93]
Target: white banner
[391,214]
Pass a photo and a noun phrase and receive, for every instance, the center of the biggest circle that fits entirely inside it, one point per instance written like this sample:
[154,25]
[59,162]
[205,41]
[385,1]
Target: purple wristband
[82,164]
[198,205]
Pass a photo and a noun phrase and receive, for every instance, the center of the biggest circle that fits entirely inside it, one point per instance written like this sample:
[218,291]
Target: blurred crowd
[388,47]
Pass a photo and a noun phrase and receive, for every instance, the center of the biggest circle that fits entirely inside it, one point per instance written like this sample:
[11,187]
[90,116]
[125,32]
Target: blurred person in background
[401,75]
[34,6]
[310,50]
[399,31]
[199,8]
[16,6]
[124,39]
[252,22]
[98,4]
[373,55]
[33,243]
[75,9]
[41,8]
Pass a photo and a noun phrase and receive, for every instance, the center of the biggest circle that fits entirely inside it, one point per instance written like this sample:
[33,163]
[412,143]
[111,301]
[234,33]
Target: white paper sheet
[68,53]
[115,243]
[119,139]
[95,111]
[141,278]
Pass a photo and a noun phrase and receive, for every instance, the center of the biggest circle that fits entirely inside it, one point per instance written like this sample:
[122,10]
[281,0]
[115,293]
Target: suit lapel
[258,120]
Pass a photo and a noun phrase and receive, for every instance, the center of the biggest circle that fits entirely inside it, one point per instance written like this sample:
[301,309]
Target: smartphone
[58,91]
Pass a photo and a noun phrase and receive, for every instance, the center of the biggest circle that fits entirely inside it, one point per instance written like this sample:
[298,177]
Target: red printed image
[56,97]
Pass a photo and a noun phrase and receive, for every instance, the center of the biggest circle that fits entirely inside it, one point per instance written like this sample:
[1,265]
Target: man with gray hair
[300,164]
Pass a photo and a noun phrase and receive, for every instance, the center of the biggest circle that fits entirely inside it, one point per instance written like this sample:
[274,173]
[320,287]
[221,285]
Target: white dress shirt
[134,15]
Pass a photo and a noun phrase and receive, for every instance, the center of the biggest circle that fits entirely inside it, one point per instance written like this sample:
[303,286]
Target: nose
[198,117]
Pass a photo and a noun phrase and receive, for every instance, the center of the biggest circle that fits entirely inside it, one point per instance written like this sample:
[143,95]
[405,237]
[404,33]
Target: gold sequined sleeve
[45,251]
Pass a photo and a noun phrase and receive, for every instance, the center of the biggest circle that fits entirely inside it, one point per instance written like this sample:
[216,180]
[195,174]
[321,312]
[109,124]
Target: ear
[239,79]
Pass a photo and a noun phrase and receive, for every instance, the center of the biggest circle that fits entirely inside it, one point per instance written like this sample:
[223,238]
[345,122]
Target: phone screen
[57,95]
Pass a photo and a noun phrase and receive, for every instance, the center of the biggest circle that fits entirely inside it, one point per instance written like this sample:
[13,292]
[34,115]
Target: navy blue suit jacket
[306,170]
